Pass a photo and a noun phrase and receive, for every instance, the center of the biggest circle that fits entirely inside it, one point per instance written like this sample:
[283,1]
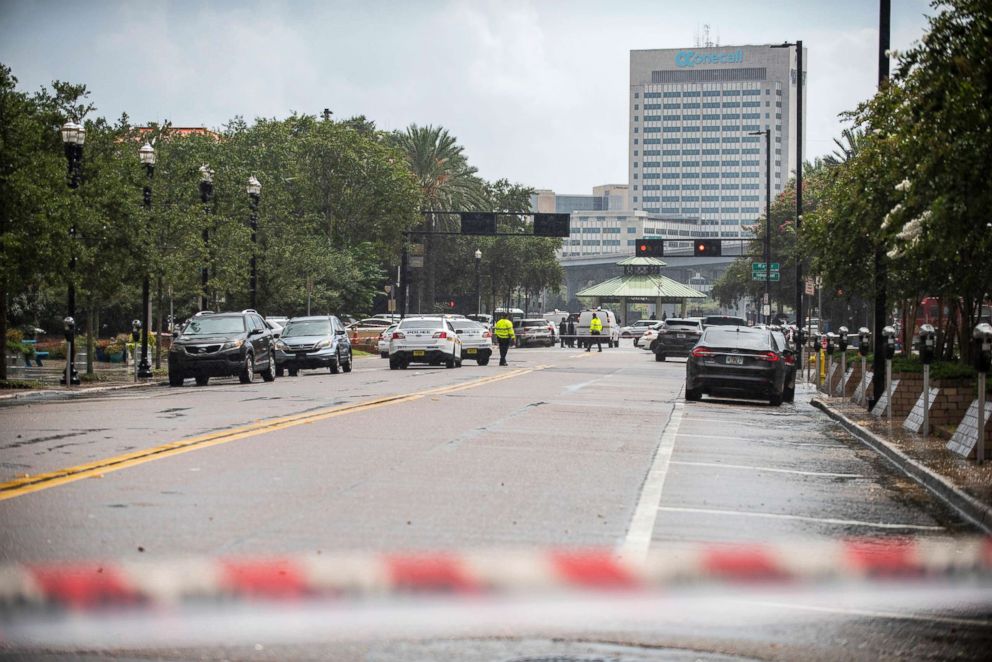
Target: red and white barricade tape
[356,576]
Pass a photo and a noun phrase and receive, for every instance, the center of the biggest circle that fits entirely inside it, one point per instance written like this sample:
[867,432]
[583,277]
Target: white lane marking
[823,520]
[825,474]
[872,613]
[733,421]
[638,539]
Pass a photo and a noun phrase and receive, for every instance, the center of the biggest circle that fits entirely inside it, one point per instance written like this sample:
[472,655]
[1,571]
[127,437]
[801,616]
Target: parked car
[276,324]
[424,339]
[477,340]
[637,328]
[737,361]
[383,344]
[222,345]
[785,349]
[723,320]
[534,331]
[649,338]
[313,342]
[676,337]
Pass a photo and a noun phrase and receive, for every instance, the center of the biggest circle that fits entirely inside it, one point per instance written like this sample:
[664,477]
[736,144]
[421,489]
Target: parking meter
[814,341]
[982,336]
[842,339]
[864,341]
[928,342]
[69,327]
[831,342]
[889,334]
[136,331]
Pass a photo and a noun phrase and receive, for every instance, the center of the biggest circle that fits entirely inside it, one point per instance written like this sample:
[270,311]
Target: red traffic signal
[451,304]
[706,247]
[650,247]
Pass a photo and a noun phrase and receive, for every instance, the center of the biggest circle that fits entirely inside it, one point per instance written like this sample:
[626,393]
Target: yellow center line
[43,481]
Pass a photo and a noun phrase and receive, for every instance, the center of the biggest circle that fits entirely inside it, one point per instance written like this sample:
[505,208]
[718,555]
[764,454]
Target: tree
[446,182]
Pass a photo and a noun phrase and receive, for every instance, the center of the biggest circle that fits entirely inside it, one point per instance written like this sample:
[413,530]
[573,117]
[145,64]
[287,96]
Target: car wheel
[334,366]
[269,374]
[693,394]
[280,371]
[654,346]
[394,364]
[449,363]
[789,395]
[293,372]
[202,381]
[775,399]
[383,355]
[484,361]
[404,364]
[659,357]
[175,380]
[247,374]
[347,366]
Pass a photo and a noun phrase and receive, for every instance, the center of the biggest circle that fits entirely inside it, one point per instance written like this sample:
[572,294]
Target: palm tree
[447,182]
[847,147]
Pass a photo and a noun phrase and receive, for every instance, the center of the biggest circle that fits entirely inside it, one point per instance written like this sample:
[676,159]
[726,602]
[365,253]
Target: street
[562,449]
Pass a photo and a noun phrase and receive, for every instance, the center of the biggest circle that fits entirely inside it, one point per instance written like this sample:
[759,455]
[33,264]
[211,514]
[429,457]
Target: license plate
[301,355]
[735,360]
[418,352]
[680,335]
[470,351]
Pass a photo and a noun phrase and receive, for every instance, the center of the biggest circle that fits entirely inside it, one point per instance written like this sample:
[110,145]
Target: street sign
[760,275]
[391,306]
[760,266]
[416,261]
[416,249]
[810,286]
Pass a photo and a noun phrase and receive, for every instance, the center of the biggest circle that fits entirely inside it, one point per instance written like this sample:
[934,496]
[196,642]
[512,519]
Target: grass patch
[19,384]
[357,353]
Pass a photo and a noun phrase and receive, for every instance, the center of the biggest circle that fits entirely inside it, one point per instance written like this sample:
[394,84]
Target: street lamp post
[147,155]
[478,281]
[799,182]
[206,194]
[73,137]
[768,220]
[254,196]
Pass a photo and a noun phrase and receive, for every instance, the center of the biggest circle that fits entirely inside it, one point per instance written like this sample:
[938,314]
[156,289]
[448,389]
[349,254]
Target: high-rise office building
[691,111]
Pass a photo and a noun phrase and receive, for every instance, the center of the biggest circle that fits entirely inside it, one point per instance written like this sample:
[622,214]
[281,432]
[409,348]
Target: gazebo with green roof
[641,282]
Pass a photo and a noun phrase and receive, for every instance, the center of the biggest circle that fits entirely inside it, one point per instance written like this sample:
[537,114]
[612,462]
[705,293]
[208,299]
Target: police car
[431,340]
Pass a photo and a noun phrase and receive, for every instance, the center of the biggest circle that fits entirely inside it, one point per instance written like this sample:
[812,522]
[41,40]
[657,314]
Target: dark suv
[223,345]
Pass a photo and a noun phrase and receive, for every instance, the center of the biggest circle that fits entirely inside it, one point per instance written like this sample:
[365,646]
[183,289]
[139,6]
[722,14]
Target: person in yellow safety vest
[503,330]
[596,331]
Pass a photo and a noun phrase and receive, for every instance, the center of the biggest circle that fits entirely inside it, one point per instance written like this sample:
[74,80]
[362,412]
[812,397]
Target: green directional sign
[760,275]
[760,266]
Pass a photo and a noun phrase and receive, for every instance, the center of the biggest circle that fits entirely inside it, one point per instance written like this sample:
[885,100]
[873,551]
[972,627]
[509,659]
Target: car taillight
[771,357]
[441,334]
[702,352]
[397,335]
[486,334]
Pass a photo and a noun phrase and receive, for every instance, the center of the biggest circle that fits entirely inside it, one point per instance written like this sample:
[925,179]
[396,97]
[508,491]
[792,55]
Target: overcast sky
[535,90]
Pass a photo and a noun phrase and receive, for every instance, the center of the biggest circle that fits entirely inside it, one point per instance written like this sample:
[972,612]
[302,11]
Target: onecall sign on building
[692,58]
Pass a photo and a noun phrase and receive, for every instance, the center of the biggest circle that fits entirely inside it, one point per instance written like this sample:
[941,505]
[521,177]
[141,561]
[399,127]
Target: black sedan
[737,361]
[677,337]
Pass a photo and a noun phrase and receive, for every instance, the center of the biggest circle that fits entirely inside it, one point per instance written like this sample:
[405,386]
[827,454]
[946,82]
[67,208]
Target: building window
[637,95]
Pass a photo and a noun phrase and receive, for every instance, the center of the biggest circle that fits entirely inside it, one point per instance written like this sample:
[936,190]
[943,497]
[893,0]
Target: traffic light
[551,225]
[650,247]
[478,222]
[706,247]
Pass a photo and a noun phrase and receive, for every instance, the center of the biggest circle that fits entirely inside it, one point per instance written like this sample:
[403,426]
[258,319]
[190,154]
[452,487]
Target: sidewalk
[961,483]
[110,377]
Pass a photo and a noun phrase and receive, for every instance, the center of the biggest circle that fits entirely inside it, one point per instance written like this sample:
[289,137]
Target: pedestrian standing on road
[503,330]
[562,331]
[571,332]
[595,331]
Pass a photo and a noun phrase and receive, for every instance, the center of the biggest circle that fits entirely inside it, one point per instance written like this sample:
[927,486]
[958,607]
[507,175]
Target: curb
[50,394]
[973,510]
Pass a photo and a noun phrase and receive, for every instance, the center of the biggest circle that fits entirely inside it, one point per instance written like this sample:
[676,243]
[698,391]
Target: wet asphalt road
[563,448]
